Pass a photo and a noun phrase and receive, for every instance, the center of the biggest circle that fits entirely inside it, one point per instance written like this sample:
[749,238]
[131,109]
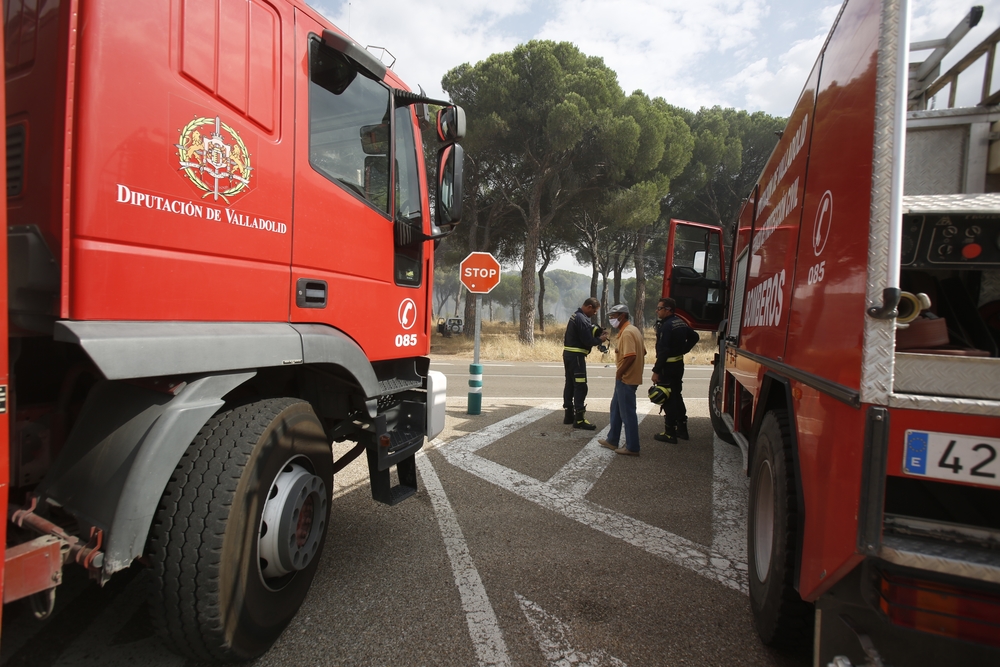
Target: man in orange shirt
[630,357]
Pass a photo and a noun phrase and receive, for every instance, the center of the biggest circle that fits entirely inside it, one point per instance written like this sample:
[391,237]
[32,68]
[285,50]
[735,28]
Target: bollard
[475,389]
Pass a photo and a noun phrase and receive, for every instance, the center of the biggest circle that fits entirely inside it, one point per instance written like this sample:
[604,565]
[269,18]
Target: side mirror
[699,262]
[449,189]
[451,124]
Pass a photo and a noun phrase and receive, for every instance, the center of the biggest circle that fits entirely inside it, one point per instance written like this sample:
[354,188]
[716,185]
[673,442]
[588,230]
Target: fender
[128,439]
[124,350]
[121,453]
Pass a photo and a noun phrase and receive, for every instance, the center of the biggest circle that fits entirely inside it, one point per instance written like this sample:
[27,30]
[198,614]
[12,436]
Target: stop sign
[479,272]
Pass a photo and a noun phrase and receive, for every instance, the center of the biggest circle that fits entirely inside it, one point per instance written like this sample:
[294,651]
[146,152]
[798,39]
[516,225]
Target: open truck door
[694,273]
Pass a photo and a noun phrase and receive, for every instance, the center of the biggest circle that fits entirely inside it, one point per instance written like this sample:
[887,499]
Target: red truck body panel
[151,240]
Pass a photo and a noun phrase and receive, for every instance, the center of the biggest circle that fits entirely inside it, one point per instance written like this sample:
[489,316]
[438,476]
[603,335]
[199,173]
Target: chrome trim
[879,334]
[941,530]
[943,557]
[946,376]
[967,406]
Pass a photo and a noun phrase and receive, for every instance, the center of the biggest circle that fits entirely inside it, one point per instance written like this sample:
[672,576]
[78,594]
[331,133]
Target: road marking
[702,560]
[552,636]
[579,475]
[730,490]
[487,639]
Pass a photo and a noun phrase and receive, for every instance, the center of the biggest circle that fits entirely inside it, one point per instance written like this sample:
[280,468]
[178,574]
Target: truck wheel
[782,618]
[715,406]
[240,529]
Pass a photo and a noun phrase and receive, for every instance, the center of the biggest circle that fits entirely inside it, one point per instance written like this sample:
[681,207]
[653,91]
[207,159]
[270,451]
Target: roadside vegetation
[500,342]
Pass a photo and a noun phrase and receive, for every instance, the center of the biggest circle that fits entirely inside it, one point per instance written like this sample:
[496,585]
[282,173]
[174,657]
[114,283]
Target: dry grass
[499,342]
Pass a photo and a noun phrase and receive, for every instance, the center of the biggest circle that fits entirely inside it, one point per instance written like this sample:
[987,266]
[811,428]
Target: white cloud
[752,54]
[776,90]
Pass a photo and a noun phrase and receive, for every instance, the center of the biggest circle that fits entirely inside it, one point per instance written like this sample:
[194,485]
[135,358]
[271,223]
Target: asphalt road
[527,544]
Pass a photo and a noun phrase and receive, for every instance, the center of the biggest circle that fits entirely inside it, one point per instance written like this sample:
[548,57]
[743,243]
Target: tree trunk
[541,291]
[639,318]
[593,278]
[532,237]
[618,282]
[604,301]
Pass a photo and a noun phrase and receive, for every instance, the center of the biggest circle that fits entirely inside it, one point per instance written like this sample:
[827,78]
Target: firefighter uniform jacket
[674,339]
[581,335]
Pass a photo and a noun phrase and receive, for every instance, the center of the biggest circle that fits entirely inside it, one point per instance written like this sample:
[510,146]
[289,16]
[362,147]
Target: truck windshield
[349,126]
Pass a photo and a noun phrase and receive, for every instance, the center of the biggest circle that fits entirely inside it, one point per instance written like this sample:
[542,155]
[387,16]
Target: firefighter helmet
[659,394]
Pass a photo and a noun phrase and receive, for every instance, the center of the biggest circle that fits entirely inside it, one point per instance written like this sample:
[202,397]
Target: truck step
[960,560]
[382,489]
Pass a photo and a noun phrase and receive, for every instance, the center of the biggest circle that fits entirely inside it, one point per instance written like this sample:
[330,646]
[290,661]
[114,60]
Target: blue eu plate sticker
[915,458]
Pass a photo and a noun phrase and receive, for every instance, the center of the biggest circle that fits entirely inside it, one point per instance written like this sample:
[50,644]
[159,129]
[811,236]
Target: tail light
[941,609]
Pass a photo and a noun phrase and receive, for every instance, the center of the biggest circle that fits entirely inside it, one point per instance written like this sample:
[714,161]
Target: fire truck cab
[858,366]
[221,260]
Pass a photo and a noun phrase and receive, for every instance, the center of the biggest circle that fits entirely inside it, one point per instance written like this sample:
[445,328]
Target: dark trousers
[575,390]
[674,412]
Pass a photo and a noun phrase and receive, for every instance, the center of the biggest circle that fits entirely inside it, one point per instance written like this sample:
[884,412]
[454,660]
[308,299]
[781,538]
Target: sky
[747,54]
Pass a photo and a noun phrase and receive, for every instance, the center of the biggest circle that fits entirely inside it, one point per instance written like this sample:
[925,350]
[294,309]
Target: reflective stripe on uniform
[581,379]
[576,349]
[673,359]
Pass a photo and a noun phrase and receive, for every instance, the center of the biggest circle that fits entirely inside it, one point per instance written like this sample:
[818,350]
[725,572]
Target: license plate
[957,458]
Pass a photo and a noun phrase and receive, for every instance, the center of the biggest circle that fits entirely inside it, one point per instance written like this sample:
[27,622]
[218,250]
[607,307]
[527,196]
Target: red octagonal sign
[479,272]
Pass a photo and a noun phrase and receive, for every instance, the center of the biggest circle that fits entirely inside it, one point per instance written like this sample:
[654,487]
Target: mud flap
[396,448]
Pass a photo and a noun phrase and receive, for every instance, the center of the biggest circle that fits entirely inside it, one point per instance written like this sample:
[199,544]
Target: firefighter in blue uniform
[581,337]
[674,339]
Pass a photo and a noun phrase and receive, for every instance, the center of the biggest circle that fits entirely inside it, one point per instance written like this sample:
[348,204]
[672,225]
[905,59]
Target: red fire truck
[221,259]
[858,367]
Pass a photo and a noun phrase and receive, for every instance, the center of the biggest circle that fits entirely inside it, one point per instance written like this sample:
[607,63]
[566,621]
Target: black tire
[715,406]
[211,599]
[781,617]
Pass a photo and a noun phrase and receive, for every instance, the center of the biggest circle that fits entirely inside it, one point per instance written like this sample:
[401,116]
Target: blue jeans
[623,413]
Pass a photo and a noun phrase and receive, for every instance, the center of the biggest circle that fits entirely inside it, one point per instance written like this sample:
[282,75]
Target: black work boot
[669,435]
[682,430]
[570,416]
[581,421]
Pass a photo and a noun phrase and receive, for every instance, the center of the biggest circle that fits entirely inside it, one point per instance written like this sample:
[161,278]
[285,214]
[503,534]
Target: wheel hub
[293,521]
[763,524]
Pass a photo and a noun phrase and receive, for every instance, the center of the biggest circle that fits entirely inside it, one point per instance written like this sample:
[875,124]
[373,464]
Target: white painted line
[461,452]
[579,475]
[730,489]
[487,639]
[552,636]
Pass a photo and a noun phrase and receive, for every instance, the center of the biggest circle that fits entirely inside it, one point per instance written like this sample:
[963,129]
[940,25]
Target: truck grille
[16,139]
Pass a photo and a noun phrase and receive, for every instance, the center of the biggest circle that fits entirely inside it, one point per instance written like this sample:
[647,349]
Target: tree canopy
[559,159]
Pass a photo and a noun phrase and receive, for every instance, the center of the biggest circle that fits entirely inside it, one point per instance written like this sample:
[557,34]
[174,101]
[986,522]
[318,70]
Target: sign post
[480,273]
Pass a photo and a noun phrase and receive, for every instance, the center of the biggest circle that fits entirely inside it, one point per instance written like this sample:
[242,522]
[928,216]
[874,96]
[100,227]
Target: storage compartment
[951,253]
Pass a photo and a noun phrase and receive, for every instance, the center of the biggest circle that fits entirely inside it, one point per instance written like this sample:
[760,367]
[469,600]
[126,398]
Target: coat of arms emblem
[213,156]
